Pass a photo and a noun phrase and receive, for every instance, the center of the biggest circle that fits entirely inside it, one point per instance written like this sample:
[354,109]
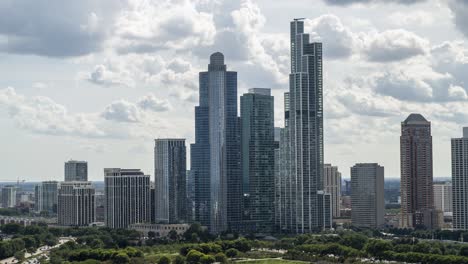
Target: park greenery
[103,245]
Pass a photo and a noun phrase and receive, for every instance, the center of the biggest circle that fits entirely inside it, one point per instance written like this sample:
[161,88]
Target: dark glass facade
[215,155]
[258,160]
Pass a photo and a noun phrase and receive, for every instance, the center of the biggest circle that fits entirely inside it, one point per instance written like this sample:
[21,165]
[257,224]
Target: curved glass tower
[215,156]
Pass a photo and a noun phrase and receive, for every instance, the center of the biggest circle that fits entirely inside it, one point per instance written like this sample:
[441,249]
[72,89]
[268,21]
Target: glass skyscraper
[76,170]
[215,156]
[258,160]
[460,181]
[170,170]
[306,135]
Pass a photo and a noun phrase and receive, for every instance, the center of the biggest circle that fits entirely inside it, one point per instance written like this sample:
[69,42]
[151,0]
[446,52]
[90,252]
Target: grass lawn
[272,261]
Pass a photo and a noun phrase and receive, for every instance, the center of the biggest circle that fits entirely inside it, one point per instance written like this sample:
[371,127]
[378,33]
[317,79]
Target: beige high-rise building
[76,204]
[332,185]
[443,197]
[417,198]
[127,201]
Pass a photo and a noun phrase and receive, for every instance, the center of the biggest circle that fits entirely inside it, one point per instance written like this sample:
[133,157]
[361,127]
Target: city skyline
[99,102]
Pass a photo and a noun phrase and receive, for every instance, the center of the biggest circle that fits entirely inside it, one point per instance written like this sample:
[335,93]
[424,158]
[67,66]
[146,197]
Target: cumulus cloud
[415,18]
[329,29]
[148,26]
[56,28]
[394,45]
[151,102]
[175,74]
[122,111]
[460,11]
[42,115]
[403,87]
[349,2]
[105,76]
[121,119]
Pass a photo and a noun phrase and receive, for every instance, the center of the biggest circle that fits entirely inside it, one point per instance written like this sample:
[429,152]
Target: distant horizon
[122,75]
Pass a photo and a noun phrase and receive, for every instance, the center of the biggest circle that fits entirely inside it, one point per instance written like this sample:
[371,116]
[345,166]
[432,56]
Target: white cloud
[350,2]
[147,26]
[121,119]
[460,11]
[56,28]
[102,75]
[152,103]
[122,111]
[416,18]
[339,40]
[394,45]
[42,115]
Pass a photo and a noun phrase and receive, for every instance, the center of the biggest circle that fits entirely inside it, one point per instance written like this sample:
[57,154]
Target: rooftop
[415,119]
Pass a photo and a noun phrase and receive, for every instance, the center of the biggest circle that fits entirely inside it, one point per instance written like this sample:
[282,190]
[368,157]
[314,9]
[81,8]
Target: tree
[173,235]
[221,258]
[422,247]
[12,228]
[232,252]
[19,255]
[151,234]
[354,240]
[164,260]
[207,259]
[464,251]
[376,247]
[179,260]
[194,256]
[121,258]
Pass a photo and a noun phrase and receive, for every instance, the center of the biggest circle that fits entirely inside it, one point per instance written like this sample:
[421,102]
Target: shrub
[232,252]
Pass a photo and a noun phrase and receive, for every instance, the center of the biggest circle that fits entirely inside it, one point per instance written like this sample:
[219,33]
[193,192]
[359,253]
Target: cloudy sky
[99,80]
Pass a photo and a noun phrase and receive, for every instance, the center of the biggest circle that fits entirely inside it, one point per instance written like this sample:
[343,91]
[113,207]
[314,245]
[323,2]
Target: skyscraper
[215,156]
[76,204]
[46,194]
[170,180]
[127,194]
[367,195]
[8,196]
[258,159]
[190,190]
[417,199]
[286,207]
[76,170]
[443,197]
[306,131]
[460,181]
[332,185]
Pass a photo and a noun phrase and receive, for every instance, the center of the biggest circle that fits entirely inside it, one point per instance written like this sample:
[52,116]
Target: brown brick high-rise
[417,199]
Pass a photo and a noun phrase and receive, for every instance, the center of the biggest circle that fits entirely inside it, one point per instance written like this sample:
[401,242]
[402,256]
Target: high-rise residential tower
[367,195]
[460,181]
[306,132]
[332,185]
[76,204]
[170,167]
[286,208]
[76,170]
[127,193]
[9,196]
[443,197]
[190,190]
[46,194]
[417,199]
[258,160]
[215,156]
